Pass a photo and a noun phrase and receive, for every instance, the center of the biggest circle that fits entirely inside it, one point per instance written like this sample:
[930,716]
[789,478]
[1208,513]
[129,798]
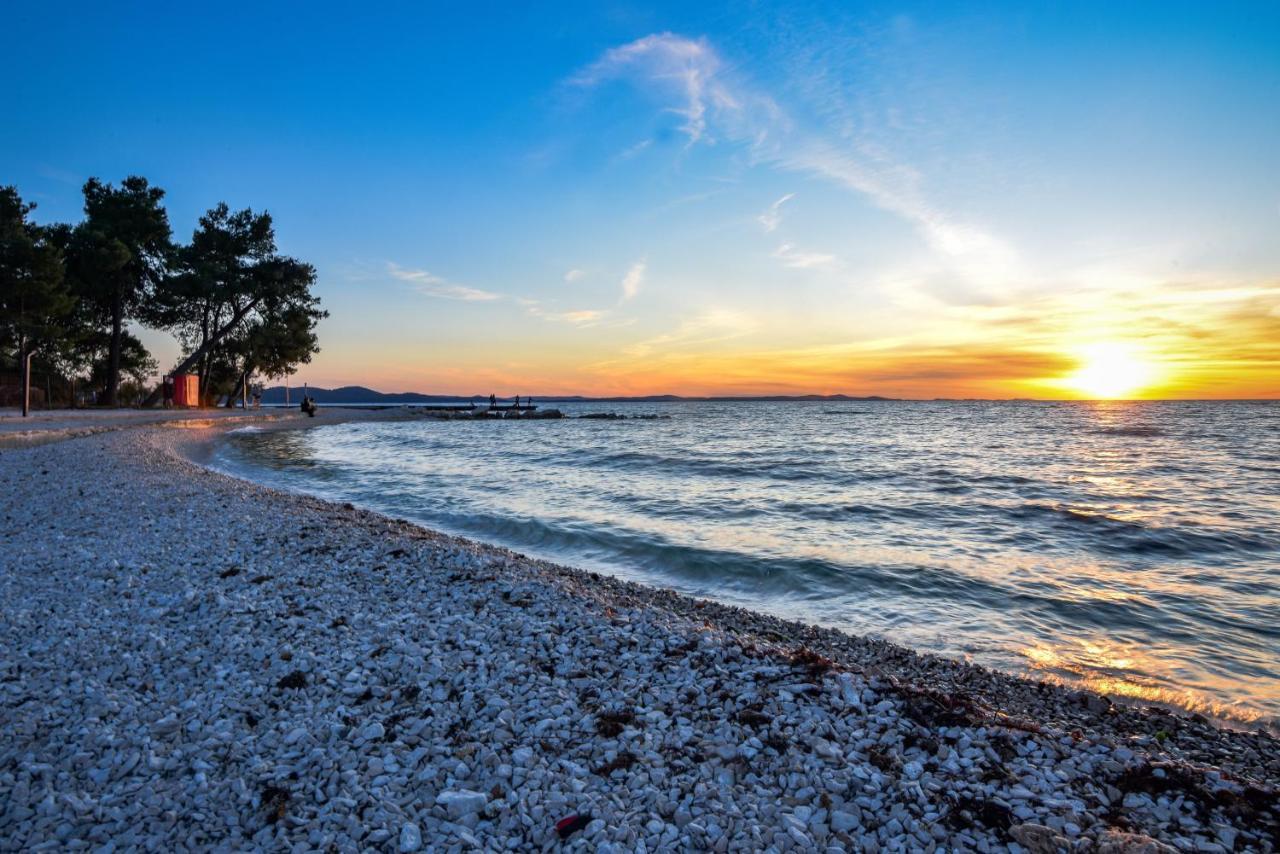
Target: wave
[1130,535]
[1134,432]
[961,528]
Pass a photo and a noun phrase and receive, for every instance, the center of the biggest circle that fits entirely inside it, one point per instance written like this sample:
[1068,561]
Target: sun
[1109,371]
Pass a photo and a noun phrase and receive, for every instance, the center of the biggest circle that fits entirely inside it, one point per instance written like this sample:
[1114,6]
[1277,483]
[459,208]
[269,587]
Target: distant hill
[360,394]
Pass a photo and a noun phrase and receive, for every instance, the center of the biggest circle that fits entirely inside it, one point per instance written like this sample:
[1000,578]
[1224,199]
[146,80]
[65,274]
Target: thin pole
[26,383]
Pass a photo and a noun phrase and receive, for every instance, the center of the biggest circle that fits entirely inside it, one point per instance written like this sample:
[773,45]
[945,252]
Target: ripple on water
[1129,547]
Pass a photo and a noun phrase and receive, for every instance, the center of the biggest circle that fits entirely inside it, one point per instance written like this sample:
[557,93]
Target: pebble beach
[190,661]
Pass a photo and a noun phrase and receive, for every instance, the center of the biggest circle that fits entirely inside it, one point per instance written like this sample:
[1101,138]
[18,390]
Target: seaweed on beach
[817,665]
[296,679]
[935,711]
[754,717]
[611,724]
[1252,806]
[966,811]
[624,760]
[275,801]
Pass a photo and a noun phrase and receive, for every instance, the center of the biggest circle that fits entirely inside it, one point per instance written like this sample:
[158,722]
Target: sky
[905,199]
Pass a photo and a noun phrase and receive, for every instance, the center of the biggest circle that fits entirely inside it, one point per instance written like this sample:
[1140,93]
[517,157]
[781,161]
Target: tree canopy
[120,256]
[35,303]
[237,306]
[68,293]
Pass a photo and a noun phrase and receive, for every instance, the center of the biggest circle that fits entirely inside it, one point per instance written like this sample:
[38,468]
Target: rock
[410,837]
[461,802]
[1114,842]
[844,822]
[1038,839]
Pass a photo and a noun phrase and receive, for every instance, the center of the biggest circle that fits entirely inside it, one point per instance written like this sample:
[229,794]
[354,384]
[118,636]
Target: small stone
[1038,839]
[461,802]
[410,837]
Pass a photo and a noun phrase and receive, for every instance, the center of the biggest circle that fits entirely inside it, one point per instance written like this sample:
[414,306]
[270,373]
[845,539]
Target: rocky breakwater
[187,659]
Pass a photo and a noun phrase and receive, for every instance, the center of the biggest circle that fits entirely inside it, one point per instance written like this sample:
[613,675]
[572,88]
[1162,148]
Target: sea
[1129,547]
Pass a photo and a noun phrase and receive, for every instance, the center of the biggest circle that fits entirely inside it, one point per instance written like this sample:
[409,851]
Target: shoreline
[869,738]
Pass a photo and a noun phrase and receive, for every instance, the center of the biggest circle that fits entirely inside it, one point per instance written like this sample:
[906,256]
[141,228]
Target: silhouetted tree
[228,289]
[121,254]
[34,300]
[274,344]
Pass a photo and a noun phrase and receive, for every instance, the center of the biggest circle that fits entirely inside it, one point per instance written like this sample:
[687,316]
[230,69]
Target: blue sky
[909,199]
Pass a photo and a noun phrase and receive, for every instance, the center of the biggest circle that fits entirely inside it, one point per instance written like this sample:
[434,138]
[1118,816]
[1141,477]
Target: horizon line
[798,396]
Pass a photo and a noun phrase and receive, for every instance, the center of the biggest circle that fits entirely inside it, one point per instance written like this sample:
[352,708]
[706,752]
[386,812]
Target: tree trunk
[113,362]
[218,335]
[24,363]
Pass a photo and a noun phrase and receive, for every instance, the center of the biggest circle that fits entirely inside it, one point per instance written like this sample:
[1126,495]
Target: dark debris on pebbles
[396,689]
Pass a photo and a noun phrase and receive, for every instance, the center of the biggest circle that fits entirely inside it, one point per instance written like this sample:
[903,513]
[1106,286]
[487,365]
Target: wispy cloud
[789,255]
[709,327]
[688,67]
[581,316]
[573,317]
[632,281]
[772,217]
[896,188]
[719,104]
[631,284]
[431,285]
[634,150]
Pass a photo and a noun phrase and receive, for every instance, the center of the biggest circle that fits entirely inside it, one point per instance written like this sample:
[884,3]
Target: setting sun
[1111,371]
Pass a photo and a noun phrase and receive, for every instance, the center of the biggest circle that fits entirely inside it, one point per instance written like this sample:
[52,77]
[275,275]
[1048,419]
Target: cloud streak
[772,217]
[796,259]
[431,285]
[632,281]
[689,68]
[717,104]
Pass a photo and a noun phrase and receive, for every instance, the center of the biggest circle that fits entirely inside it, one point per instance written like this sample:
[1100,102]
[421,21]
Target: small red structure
[186,390]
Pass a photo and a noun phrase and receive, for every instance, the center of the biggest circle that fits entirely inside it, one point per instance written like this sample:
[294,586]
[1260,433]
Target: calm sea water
[1132,547]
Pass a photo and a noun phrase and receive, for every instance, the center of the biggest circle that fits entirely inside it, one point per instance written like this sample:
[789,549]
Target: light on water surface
[1090,543]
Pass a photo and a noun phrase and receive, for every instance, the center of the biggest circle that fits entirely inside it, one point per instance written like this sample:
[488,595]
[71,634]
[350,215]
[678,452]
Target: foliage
[34,300]
[67,293]
[120,256]
[235,304]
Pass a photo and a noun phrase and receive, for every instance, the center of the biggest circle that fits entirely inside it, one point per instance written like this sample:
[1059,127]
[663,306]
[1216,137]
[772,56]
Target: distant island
[360,394]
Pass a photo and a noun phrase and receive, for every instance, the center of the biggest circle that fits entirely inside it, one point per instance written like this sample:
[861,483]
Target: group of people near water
[493,402]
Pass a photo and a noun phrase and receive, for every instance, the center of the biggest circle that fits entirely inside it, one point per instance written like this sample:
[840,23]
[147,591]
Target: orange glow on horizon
[1151,343]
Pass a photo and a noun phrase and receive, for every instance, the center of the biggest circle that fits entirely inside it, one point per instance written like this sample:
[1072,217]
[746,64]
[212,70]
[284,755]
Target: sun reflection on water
[1125,673]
